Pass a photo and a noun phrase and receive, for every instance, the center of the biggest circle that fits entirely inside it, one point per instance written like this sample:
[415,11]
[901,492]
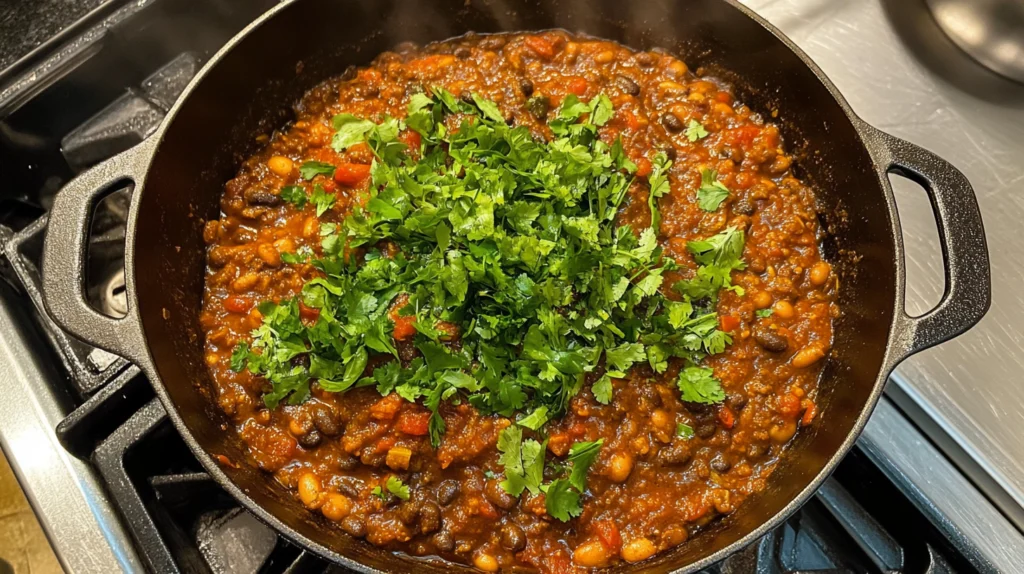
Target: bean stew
[521,301]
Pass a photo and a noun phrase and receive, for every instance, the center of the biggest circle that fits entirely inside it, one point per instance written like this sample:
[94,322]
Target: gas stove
[117,489]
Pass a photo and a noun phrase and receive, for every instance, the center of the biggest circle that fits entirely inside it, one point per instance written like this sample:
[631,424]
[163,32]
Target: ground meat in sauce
[649,489]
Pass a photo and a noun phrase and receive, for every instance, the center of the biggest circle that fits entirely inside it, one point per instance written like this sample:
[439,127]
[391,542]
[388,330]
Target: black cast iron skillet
[246,89]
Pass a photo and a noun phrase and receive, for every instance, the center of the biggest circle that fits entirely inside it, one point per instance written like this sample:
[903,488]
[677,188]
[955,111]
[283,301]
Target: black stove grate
[106,89]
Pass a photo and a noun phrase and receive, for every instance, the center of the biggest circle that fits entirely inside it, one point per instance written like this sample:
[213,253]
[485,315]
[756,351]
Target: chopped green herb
[712,192]
[684,431]
[695,131]
[562,501]
[764,313]
[658,180]
[311,169]
[511,242]
[302,255]
[294,194]
[392,486]
[582,455]
[699,385]
[322,200]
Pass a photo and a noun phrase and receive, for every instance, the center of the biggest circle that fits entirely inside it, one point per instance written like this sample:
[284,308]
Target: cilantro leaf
[699,385]
[536,419]
[582,455]
[684,431]
[764,313]
[562,501]
[396,487]
[294,194]
[322,200]
[623,356]
[310,169]
[348,131]
[658,181]
[695,131]
[602,389]
[712,192]
[488,108]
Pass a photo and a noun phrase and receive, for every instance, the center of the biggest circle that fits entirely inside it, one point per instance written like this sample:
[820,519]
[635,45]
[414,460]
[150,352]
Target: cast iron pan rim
[217,473]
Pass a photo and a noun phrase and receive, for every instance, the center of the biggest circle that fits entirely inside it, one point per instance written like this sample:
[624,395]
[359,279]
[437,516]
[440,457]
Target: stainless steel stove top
[901,74]
[958,458]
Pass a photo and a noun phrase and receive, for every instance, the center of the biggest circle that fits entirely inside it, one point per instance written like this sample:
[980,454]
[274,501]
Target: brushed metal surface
[990,31]
[900,73]
[64,492]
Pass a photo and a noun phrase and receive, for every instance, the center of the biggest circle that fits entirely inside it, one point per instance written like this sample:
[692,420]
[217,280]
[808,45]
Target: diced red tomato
[404,328]
[540,46]
[609,535]
[384,444]
[486,510]
[788,405]
[729,323]
[726,417]
[351,174]
[577,85]
[643,167]
[414,423]
[723,97]
[743,135]
[632,122]
[412,139]
[559,444]
[308,314]
[386,408]
[238,304]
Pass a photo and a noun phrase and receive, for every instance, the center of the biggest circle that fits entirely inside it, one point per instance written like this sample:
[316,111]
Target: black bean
[705,430]
[325,421]
[430,517]
[408,512]
[492,42]
[627,85]
[671,122]
[670,153]
[354,526]
[743,207]
[347,462]
[770,339]
[526,86]
[447,491]
[467,98]
[676,454]
[310,439]
[736,401]
[512,537]
[538,106]
[350,486]
[497,495]
[256,195]
[443,541]
[720,463]
[645,59]
[463,53]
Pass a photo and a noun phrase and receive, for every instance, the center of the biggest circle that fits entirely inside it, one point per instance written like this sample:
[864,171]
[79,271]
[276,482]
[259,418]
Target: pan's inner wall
[250,92]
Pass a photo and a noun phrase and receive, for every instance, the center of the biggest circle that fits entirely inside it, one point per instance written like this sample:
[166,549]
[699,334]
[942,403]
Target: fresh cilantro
[322,200]
[349,130]
[712,192]
[302,255]
[294,194]
[764,313]
[393,486]
[582,455]
[658,180]
[695,131]
[536,419]
[562,501]
[510,245]
[310,169]
[602,389]
[683,430]
[699,385]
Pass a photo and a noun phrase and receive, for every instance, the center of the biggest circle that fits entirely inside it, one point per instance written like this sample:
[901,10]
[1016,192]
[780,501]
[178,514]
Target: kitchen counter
[900,73]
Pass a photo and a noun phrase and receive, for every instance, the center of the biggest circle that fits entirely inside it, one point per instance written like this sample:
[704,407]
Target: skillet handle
[968,290]
[64,255]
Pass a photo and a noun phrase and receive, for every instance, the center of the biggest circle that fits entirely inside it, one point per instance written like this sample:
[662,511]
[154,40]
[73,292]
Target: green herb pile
[514,241]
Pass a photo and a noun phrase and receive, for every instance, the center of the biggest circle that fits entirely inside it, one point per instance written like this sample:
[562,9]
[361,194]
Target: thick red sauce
[649,490]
